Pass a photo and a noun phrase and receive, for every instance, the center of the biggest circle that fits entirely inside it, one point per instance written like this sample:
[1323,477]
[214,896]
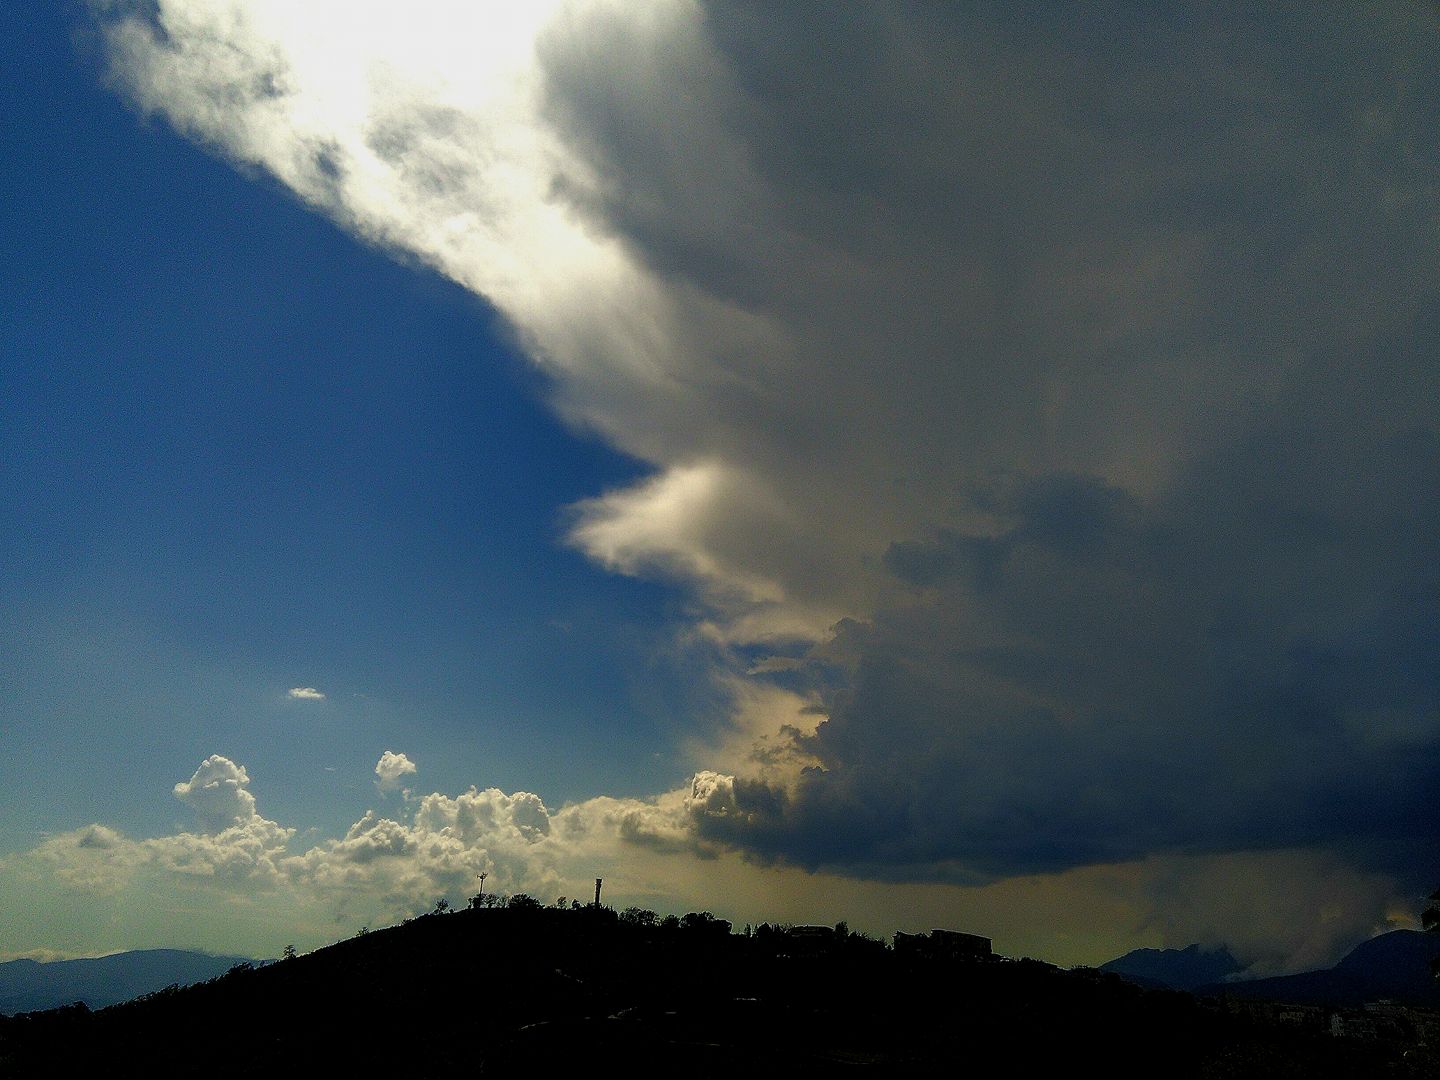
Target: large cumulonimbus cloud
[1049,395]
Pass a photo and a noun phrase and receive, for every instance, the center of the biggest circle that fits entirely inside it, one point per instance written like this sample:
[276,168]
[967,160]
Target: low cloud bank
[1278,910]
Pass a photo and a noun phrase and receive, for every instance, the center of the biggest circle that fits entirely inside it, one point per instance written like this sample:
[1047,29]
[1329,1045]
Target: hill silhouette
[1178,969]
[28,985]
[1393,966]
[542,991]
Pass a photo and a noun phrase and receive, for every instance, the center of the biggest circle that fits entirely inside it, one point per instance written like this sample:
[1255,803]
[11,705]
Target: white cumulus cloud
[218,793]
[305,693]
[391,769]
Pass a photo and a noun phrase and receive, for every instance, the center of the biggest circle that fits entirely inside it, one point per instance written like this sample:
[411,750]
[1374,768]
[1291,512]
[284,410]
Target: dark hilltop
[522,989]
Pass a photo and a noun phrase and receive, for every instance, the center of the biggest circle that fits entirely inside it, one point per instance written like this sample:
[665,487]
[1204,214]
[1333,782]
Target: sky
[917,465]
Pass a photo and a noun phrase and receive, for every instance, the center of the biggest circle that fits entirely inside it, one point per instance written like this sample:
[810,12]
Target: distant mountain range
[30,985]
[1393,966]
[1179,969]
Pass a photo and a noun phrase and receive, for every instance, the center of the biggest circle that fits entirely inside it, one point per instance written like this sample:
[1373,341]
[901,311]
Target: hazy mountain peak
[1181,969]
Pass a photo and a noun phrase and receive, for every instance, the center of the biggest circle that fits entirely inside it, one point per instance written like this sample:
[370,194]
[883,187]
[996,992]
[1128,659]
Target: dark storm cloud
[1171,279]
[1242,663]
[1034,242]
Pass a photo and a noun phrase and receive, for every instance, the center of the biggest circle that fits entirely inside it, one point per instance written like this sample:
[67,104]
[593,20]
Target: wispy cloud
[305,693]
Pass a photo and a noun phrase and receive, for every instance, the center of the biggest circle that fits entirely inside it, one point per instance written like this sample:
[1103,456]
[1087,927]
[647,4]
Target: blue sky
[911,465]
[246,453]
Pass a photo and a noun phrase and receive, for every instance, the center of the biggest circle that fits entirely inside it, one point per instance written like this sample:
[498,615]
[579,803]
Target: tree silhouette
[638,916]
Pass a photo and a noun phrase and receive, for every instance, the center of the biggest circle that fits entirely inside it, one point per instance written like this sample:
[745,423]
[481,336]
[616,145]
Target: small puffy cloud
[391,769]
[218,793]
[305,693]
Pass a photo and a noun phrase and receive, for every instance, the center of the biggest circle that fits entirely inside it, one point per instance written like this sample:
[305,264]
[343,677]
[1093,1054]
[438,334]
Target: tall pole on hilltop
[597,891]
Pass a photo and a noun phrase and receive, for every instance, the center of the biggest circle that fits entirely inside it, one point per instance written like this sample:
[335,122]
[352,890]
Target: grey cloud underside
[1120,335]
[1134,678]
[1084,366]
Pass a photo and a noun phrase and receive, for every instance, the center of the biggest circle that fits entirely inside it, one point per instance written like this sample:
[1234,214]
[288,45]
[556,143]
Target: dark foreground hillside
[540,992]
